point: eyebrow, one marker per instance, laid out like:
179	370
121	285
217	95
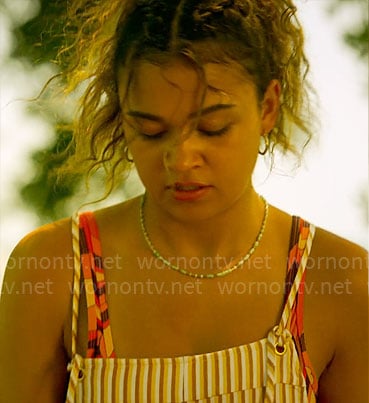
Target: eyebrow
155	118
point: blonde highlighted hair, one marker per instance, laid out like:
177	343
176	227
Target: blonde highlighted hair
263	36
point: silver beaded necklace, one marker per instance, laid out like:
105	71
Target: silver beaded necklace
208	275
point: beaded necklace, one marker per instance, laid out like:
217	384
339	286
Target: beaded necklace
223	273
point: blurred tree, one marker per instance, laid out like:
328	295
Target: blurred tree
357	36
38	41
45	194
358	39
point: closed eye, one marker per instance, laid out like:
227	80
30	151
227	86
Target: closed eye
218	132
145	126
152	136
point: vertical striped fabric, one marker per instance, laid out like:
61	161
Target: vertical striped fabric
268	370
234	375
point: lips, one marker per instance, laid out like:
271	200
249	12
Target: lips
189	191
187	187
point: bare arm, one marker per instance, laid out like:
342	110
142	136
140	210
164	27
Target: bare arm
33	310
346	377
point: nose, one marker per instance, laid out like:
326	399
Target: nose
184	154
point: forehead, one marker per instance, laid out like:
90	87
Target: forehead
177	78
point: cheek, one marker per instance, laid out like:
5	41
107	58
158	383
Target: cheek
244	141
239	157
147	156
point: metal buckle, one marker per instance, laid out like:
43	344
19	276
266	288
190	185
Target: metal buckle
280	349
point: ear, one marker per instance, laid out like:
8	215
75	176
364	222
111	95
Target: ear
270	106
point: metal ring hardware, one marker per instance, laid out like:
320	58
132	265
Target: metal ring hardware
280	350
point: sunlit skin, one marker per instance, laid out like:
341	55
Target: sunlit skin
180	143
165	101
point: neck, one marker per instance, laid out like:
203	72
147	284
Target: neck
226	235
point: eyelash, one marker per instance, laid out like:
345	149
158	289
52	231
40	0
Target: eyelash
155	136
214	133
208	133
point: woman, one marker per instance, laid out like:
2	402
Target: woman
198	290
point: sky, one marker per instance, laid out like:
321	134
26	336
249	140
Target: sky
327	190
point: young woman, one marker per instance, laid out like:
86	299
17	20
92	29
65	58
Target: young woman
198	290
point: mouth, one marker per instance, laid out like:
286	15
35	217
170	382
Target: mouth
188	187
189	191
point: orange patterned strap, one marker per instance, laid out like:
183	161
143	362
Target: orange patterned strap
100	342
300	245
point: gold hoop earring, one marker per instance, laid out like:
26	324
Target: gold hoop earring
127	154
265	137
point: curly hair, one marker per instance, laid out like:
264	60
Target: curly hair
263	36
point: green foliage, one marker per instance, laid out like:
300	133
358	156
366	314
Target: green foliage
355	37
46	194
38	41
358	39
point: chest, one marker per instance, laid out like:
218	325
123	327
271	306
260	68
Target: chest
158	312
155	312
171	325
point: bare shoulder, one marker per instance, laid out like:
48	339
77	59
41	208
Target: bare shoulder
44	253
340	262
117	225
121	214
328	244
338	272
34	306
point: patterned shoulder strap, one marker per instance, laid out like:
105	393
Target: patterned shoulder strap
291	323
75	364
76	281
87	254
293	314
100	342
302	235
